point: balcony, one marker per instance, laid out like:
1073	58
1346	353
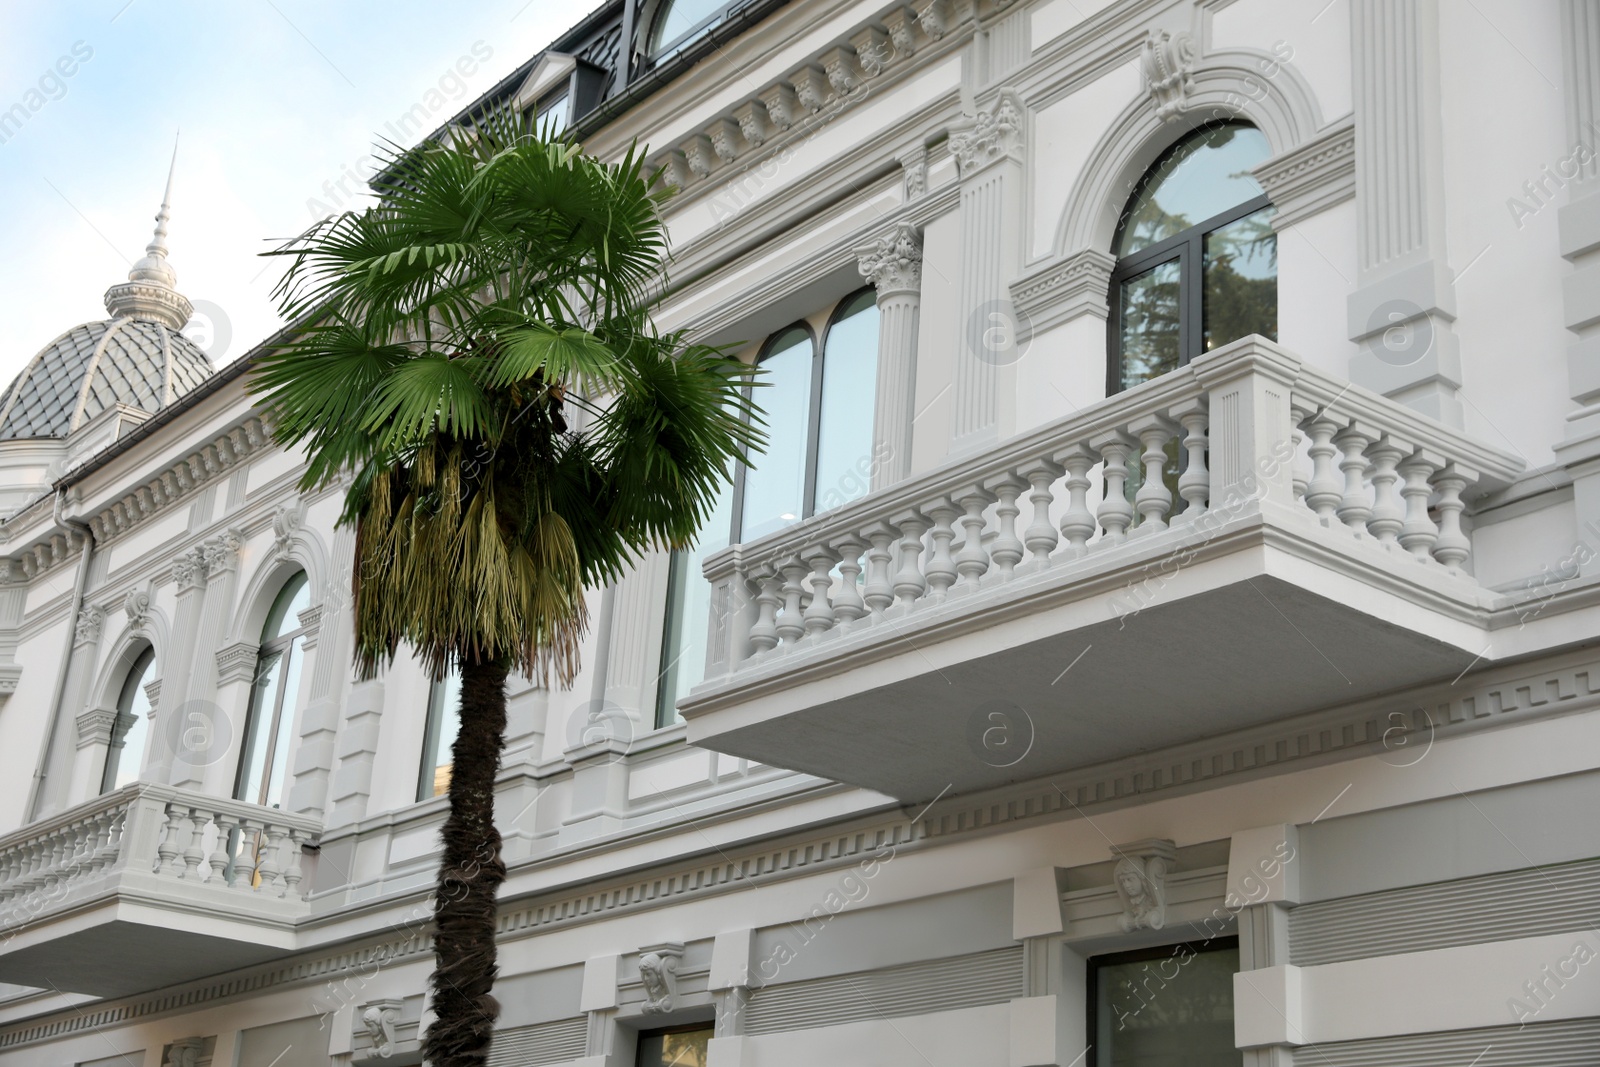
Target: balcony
148	886
1039	607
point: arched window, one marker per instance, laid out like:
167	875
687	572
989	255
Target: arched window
845	410
444	722
125	757
268	732
818	403
677	22
1197	262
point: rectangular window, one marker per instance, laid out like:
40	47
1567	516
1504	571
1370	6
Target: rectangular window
444	720
1170	1006
680	1046
551	120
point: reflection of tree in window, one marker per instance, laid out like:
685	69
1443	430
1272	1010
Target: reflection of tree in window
439	737
1166	1007
1241	267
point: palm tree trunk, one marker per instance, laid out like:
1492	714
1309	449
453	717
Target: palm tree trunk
469	876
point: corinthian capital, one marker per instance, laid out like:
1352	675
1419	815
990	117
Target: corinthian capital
893	263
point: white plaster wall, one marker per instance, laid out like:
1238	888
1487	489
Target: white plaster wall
1312	36
1316	270
1501	72
1064	135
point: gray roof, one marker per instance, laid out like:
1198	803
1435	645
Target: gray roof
131	361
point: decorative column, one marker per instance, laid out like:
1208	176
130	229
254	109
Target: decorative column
217	722
893	264
189	575
988	153
1578	227
64	781
1401	311
327	647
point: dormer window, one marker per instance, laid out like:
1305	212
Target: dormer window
677	22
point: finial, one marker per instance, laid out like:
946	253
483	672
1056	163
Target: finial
150	291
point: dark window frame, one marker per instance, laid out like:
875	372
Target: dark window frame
280	645
813	422
1187	247
1093	964
126	695
653	54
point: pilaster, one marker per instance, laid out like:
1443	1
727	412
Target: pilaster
1264	868
1403	307
220	559
1578	221
327	646
989	159
893	264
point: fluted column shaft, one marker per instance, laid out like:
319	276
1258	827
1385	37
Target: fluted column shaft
893	264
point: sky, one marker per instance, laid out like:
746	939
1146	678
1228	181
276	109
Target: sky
275	104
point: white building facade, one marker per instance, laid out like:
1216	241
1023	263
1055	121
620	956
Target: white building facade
1164	628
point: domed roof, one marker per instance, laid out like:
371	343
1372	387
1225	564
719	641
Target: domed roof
139	362
137	357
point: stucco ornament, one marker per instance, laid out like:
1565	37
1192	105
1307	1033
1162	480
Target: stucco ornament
658	971
894	260
380	1019
989	135
1140	879
1168	65
137	605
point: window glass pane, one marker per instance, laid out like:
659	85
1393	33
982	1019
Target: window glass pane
125	759
1172	1011
552	119
1241	296
1205	176
293	660
1148	313
774	489
284	618
685	1048
444	722
678	17
258	726
849	390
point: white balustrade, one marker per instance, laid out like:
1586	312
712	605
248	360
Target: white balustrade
1250	425
155	831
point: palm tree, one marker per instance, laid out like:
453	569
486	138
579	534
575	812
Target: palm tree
479	367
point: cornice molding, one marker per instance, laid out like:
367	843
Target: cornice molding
1313	177
1401	724
1063	289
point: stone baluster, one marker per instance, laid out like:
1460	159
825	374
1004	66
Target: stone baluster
1006	551
1355	506
1388	512
194	853
1078	523
221	860
909	583
764	631
791	622
1154	499
1194	484
291	867
173	842
1452	548
1419	535
941	569
879	590
247	856
1040	536
1115	513
848	606
271	866
1325	490
973	560
819	616
1300	410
